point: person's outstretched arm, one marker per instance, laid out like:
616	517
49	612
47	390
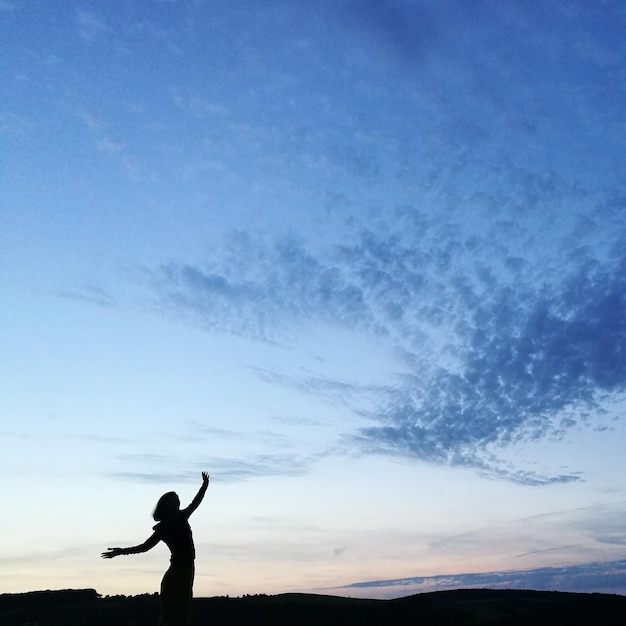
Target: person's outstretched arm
195	503
148	544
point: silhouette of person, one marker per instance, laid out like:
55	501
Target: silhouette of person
174	530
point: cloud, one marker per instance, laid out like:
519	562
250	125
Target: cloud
38	557
487	262
110	145
223	469
501	344
529	357
608	577
91	26
89	292
263	287
581	534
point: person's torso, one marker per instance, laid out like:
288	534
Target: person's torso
177	536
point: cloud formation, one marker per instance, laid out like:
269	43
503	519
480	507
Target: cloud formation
228	469
501	345
607	577
456	226
532	364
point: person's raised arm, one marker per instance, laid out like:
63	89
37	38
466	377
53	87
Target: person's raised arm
148	544
195	503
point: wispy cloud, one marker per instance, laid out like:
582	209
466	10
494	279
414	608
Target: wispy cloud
89	292
161	470
91	26
608	577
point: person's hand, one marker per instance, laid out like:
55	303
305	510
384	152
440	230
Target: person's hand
111	552
205	478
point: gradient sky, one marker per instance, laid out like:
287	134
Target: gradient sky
362	260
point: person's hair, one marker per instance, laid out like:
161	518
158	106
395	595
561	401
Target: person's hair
164	507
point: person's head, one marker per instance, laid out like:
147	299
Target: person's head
167	506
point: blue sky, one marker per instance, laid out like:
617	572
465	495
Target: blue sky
362	261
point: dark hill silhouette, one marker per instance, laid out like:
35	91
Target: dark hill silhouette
475	607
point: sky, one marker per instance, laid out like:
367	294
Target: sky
361	260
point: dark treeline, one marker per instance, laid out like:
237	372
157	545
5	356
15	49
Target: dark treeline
471	606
